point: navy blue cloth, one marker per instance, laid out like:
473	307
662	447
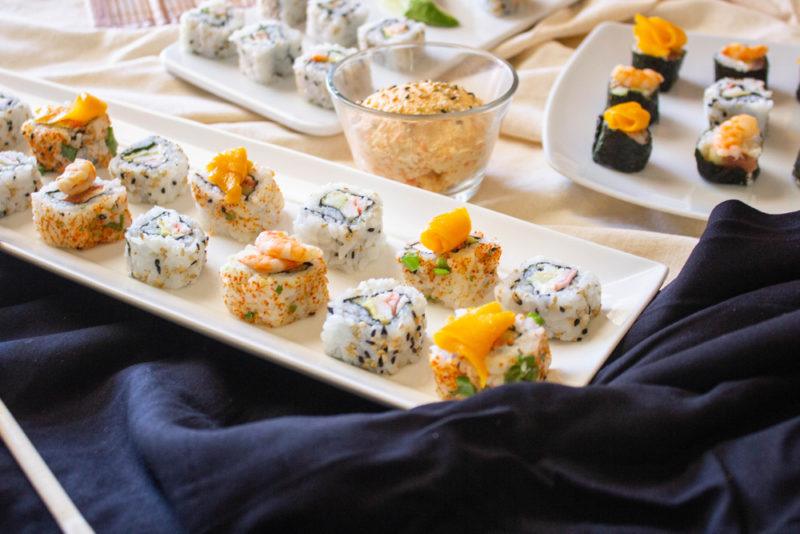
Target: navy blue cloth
694	422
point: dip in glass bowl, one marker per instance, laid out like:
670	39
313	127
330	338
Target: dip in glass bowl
426	115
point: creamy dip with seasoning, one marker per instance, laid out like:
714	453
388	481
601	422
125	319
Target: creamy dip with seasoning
422	98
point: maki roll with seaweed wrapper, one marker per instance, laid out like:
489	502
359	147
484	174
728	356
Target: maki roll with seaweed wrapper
153	170
378	326
629	84
729	97
451	264
336	21
276	281
562	297
267	50
622	139
728	154
205	30
58	135
737	60
19	178
486	347
659	46
236	197
13	113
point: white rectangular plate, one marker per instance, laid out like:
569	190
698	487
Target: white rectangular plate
282	103
670	182
628	282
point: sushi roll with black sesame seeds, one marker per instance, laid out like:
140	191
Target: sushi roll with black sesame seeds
346	222
19	178
205	30
153	170
629	84
165	249
737	60
728	153
336	21
311	72
729	97
267	50
622	139
563	298
292	12
392	31
13	113
659	46
481	348
379	326
500	8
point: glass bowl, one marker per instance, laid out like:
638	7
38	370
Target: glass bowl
445	152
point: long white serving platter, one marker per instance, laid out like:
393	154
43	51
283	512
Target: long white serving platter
670	182
282	103
629	282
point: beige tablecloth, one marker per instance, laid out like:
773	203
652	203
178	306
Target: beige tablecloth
55	40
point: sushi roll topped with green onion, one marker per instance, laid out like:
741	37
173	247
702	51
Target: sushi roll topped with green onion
737	60
622	139
659	46
728	154
629	84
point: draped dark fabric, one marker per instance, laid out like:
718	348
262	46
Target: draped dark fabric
693	424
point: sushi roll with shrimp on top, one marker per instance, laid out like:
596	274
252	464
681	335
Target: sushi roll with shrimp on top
236	197
276	281
622	139
737	60
659	46
486	347
728	153
629	84
451	264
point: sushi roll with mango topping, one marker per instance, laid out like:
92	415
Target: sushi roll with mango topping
737	60
728	153
659	46
451	264
622	139
276	281
79	210
486	347
59	134
629	84
236	197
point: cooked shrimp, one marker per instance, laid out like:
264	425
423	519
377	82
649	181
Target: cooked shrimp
279	245
647	79
77	177
258	261
735	135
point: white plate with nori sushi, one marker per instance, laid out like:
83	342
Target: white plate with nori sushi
396	217
671	180
204	57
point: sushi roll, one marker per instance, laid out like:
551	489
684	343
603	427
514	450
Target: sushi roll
728	97
13	112
481	348
292	12
737	60
236	197
390	31
165	249
153	170
659	46
346	223
796	170
560	297
79	210
629	84
500	8
451	264
275	282
378	326
267	50
335	21
728	153
205	30
58	135
311	72
622	139
19	178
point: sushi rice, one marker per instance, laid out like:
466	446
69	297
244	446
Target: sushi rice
311	72
165	249
379	326
205	30
13	113
336	21
19	178
267	50
153	170
728	97
292	12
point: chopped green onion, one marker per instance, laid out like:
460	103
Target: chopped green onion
250	316
464	387
69	152
229	215
292	307
536	318
442	268
525	370
118	226
279	289
111	141
411	261
42	168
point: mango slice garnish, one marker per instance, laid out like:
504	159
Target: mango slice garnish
83	110
657	37
743	52
446	231
227	170
628	117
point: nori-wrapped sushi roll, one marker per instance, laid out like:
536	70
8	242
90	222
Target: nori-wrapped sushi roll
737	60
659	46
728	154
796	170
622	139
629	84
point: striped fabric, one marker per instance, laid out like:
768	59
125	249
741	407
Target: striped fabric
142	13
